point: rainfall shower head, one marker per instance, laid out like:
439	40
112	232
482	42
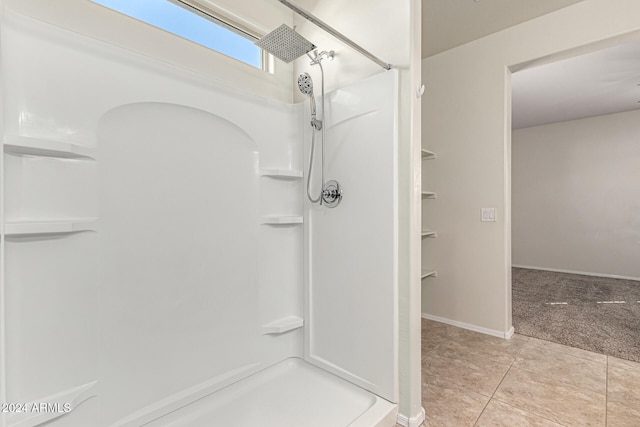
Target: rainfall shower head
285	44
305	84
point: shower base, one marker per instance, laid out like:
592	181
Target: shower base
291	393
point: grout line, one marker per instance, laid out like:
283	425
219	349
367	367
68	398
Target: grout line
518	354
544	374
515	407
509	404
492	394
500	383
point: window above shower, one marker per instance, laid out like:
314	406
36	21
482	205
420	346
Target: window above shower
183	19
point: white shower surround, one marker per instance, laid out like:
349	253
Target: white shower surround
187	275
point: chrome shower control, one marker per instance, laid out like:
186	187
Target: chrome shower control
317	124
331	194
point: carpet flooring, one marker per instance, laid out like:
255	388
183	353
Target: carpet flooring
592	313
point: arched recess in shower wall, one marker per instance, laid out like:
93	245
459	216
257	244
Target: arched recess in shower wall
161	264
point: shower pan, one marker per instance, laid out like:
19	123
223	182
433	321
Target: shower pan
138	291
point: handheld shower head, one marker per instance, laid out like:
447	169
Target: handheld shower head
305	84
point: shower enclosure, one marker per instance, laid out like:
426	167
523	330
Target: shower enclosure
161	264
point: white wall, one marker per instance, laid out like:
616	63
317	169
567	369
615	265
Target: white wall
576	195
391	31
171	287
351	275
466	120
360	20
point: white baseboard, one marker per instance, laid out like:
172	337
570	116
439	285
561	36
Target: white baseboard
413	421
584	273
509	334
500	334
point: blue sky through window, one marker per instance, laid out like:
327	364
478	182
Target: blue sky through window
181	22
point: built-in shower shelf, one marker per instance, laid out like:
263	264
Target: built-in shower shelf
428	233
288	323
429	273
282	220
46	148
39	226
428	155
428	195
282	173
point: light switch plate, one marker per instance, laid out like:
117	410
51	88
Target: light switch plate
488	215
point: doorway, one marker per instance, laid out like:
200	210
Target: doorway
574	200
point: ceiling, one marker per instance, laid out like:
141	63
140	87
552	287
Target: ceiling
602	82
450	23
605	81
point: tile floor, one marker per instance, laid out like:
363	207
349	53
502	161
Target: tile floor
472	379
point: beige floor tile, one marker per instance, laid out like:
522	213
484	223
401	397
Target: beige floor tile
498	414
614	362
431	328
559	348
564	367
623	386
473	373
451	407
546	384
434	324
472	344
435	334
431	342
552	399
622	415
623	393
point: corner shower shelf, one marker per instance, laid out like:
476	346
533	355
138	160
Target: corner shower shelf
427	233
282	173
280	326
282	220
428	155
46	148
429	273
428	195
39	226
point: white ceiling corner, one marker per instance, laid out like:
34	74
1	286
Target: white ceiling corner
605	81
450	23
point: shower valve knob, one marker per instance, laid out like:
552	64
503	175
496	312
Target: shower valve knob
332	194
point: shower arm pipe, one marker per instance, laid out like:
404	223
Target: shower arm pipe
319	23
